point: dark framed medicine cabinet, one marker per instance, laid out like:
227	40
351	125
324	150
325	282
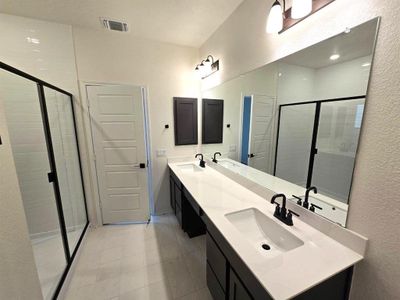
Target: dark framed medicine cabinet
43	139
185	121
317	141
212	121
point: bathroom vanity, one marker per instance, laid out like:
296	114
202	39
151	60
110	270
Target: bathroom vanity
251	254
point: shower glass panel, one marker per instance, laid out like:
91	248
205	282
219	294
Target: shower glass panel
296	124
337	140
61	122
28	142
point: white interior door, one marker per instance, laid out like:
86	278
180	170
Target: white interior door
261	132
117	121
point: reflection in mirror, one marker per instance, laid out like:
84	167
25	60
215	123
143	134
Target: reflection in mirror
295	123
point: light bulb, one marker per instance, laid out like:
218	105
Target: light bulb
275	18
202	69
301	8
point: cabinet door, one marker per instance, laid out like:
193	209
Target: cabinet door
185	121
178	196
172	194
213	119
236	289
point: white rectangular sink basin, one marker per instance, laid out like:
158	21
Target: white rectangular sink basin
190	168
263	233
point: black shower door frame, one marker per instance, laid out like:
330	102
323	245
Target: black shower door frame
313	150
52	175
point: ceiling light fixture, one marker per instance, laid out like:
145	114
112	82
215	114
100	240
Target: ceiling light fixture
280	19
32	40
207	67
334	57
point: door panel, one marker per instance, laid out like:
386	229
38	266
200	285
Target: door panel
261	133
119	143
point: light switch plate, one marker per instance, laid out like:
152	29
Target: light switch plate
161	152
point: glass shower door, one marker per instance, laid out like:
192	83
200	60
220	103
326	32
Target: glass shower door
296	124
337	141
61	122
29	148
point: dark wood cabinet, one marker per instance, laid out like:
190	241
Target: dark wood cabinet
237	291
172	194
185	121
187	215
213	121
217	261
213	285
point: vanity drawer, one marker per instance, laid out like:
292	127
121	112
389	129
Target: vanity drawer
213	285
216	260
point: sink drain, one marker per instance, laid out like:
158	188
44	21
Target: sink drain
266	247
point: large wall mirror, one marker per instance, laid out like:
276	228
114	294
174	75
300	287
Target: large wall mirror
295	123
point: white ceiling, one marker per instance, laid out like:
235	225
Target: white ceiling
182	22
357	43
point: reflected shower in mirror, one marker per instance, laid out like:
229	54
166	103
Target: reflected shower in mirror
295	123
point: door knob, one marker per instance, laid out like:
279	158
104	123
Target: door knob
251	155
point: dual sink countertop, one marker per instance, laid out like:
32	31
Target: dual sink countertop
299	257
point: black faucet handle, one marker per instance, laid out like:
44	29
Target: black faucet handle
313	207
293	213
289	217
298	199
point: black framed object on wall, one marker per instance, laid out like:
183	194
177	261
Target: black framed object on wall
185	121
213	120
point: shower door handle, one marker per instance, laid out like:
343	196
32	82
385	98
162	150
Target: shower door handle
51	177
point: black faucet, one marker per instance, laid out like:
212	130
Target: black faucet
202	162
214	158
311	188
281	213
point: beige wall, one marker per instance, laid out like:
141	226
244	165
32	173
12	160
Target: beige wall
242	45
165	69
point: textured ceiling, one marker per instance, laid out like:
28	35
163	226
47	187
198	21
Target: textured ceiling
182	22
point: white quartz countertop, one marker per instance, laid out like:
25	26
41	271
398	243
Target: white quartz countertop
286	275
278	185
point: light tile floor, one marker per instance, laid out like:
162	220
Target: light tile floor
50	259
140	261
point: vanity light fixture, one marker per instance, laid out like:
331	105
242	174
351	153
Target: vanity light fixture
207	67
280	19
